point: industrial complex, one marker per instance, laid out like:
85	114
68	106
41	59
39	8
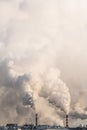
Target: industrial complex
37	126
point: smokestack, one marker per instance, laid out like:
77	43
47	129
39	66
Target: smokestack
36	121
67	125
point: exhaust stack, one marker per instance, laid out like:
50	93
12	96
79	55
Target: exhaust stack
36	120
67	122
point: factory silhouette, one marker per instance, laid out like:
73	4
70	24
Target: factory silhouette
37	126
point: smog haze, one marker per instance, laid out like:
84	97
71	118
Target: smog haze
43	61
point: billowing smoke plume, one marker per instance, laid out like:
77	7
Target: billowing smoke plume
55	91
21	95
41	43
13	95
51	93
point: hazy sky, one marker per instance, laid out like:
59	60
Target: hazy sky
56	28
39	34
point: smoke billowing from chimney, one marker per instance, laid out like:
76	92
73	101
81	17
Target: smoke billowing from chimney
38	40
26	93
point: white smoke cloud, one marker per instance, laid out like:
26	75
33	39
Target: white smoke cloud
55	90
12	93
42	38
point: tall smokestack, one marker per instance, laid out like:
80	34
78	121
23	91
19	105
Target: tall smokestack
36	121
67	125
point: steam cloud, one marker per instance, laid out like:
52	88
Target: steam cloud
21	94
41	43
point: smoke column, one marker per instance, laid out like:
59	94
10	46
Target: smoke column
55	90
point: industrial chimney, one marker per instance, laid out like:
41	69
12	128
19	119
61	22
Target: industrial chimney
36	120
67	125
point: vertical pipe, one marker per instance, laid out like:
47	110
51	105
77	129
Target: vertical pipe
36	119
67	125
